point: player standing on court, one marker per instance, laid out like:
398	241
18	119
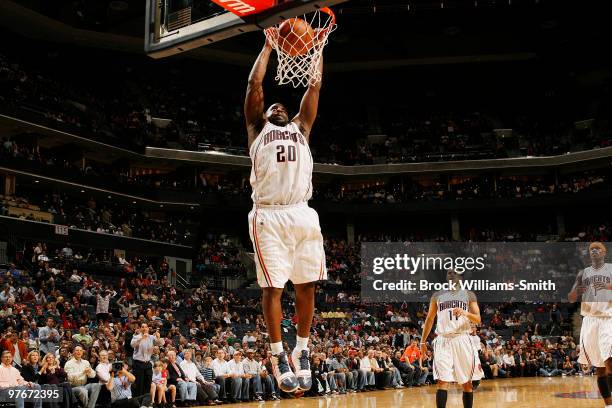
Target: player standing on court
454	356
594	283
285	232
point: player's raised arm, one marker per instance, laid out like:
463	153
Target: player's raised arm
254	100
431	315
309	105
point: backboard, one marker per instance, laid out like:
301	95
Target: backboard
175	26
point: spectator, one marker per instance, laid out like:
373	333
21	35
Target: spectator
253	368
82	337
103	300
224	376
160	385
78	371
17	348
205	391
103	369
49	337
10	377
52	374
186	390
240	379
120	387
30	368
143	343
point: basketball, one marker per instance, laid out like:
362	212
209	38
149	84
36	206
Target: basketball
295	36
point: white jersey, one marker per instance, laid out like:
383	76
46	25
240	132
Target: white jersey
282	164
447	323
597	300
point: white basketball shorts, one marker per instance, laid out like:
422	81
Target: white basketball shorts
455	359
288	245
595	341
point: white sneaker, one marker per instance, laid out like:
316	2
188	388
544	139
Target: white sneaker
301	362
286	379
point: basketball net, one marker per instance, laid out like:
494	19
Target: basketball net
303	70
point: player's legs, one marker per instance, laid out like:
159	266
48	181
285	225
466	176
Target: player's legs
442	369
595	349
609	379
464	366
308	268
304	310
441	394
273	248
468	394
272	311
605	351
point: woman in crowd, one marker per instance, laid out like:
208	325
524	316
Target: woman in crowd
30	367
52	374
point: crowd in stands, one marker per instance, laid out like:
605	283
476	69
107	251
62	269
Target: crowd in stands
219	253
83	333
87	214
139	106
468	188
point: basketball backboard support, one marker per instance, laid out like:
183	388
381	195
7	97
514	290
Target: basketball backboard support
175	26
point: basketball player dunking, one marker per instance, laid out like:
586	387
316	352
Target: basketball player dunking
285	232
595	285
454	356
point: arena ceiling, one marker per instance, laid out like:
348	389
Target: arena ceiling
371	34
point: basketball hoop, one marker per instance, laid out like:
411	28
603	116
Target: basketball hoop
298	63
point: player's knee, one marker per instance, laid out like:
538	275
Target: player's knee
467	387
304	289
442	385
272	293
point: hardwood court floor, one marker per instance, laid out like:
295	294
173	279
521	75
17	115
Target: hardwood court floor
557	392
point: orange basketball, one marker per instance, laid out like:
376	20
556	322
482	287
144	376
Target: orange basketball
295	36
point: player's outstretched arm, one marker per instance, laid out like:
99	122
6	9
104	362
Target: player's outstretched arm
431	315
309	105
254	101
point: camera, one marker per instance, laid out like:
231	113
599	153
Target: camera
117	366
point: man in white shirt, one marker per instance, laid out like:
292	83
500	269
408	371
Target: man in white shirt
366	368
240	379
78	371
253	368
10	377
206	394
508	360
222	373
103	368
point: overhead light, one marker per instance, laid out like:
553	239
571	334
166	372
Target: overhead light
82	191
191	208
110	197
161	206
133	202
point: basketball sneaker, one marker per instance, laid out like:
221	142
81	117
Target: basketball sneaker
286	379
301	362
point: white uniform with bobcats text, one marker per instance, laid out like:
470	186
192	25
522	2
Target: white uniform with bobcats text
285	232
455	357
596	307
